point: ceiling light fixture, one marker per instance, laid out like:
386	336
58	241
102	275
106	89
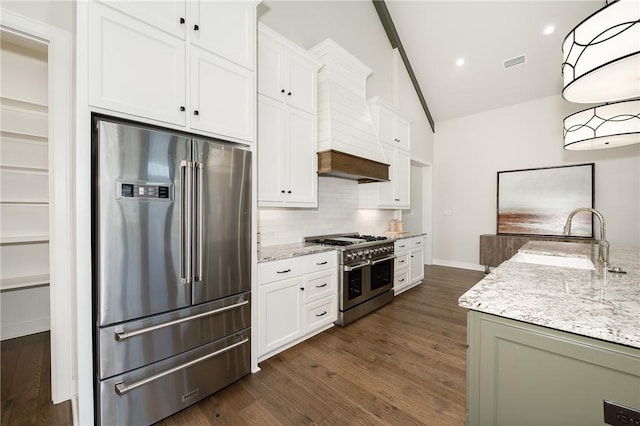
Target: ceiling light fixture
549	29
601	63
460	62
601	55
604	126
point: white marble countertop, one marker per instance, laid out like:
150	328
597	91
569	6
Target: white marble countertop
593	303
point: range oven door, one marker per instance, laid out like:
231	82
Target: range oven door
354	284
381	275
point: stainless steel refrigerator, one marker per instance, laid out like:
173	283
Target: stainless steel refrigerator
171	269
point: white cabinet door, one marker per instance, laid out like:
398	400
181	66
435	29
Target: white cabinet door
134	67
226	28
271	159
302	185
222	96
270	68
279	313
301	89
386	131
403	133
386	191
417	265
402	177
168	16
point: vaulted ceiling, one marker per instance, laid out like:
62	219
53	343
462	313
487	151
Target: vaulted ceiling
435	34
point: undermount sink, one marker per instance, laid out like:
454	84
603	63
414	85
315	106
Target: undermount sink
565	262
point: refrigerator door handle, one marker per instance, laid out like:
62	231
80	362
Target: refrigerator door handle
124	335
186	187
122	389
199	219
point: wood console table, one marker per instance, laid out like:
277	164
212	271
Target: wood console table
495	249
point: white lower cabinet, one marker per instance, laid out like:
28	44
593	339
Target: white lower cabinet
409	263
297	298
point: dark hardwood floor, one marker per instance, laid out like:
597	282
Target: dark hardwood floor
26	383
402	364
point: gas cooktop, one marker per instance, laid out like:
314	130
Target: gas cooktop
344	239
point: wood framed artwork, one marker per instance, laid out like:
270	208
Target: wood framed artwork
538	201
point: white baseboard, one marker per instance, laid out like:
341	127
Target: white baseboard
462	265
19	329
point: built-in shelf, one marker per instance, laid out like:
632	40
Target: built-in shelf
25	202
15	283
24	239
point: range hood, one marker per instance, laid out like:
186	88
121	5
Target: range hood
348	143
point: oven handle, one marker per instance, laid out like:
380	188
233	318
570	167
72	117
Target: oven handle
358	266
384	259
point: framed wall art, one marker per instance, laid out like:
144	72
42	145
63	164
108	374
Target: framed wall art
538	201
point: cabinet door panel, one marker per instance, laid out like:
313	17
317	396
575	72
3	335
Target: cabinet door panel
385	126
164	15
386	195
280	313
403	133
402	175
271	69
320	313
417	265
303	165
302	84
223	94
135	68
226	28
270	140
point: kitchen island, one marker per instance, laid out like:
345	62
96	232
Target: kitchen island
547	344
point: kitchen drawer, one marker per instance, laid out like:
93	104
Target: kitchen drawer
320	284
320	261
402	245
417	242
320	313
149	394
401	280
401	261
280	269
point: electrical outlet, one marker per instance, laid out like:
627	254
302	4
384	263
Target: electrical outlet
619	415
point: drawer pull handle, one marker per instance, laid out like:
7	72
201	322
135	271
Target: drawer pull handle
283	272
322	263
401	261
322	314
122	389
402	246
402	280
320	286
418	242
121	335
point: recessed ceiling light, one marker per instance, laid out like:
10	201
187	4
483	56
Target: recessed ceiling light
548	29
460	62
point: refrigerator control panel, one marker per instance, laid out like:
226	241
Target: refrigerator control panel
144	190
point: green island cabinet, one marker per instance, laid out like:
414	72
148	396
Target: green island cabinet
523	374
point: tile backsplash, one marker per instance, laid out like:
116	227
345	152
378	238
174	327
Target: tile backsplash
337	212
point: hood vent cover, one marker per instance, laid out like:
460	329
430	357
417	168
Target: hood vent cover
348	144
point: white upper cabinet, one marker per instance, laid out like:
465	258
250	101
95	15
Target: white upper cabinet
226	28
135	68
287	123
394	131
184	63
286	72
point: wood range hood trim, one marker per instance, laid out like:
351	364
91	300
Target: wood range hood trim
339	164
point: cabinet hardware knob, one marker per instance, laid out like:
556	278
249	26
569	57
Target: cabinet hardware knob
301	288
182	20
282	191
289	94
402	280
288	192
182	108
196	27
282	91
196	112
283	272
322	314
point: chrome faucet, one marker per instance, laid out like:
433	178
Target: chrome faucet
603	254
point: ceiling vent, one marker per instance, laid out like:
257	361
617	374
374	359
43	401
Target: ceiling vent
514	61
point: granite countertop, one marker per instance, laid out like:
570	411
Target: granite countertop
593	303
286	251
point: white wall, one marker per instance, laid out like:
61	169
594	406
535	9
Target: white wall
58	13
469	151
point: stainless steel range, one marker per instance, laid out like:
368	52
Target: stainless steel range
366	273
